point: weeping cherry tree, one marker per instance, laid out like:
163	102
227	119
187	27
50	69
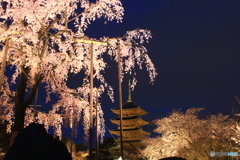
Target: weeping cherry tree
38	46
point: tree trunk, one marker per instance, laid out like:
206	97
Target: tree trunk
20	107
21	102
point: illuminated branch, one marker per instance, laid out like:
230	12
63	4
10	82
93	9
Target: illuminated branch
89	9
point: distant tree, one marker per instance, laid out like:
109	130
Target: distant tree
68	143
81	147
43	41
80	155
188	136
109	149
81	152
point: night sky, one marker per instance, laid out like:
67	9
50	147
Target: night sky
195	49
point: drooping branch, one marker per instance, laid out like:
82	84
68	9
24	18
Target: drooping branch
45	44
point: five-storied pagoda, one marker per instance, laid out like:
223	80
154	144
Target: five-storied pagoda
131	121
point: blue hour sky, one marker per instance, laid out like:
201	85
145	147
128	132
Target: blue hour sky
195	49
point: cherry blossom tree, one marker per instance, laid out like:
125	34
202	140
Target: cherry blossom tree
188	136
43	41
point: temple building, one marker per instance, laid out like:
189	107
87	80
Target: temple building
131	121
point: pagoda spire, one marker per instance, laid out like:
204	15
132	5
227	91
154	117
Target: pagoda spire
129	91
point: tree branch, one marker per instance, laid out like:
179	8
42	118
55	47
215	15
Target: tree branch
93	5
33	92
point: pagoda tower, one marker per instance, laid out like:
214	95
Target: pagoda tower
131	121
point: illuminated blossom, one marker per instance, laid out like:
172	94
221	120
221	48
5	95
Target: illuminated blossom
186	135
44	49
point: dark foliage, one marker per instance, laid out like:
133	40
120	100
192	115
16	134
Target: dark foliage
109	149
33	143
4	138
81	147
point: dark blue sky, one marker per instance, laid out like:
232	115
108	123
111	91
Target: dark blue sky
195	49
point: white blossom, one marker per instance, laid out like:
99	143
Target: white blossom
188	136
42	43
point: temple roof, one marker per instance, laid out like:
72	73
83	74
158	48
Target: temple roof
128	105
137	111
134	120
133	130
129	108
128	118
131	141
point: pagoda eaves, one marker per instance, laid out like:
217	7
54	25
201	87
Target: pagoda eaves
130	121
130	109
136	132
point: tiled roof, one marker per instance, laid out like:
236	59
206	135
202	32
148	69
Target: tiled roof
127	105
127	118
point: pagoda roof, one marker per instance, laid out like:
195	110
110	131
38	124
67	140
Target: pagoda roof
131	141
136	120
128	105
129	108
135	131
136	111
128	118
